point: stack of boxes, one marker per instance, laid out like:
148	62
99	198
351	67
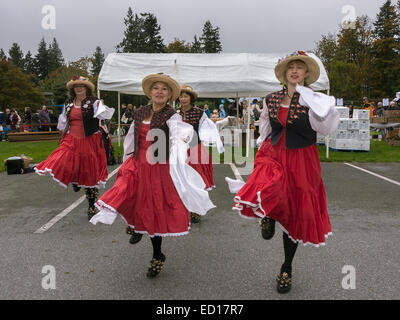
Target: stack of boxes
352	133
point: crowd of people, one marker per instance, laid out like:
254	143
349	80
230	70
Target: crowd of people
43	119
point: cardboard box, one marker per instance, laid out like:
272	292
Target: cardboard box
361	145
353	124
364	135
353	134
378	120
364	125
339	134
361	114
343	124
341	144
344	112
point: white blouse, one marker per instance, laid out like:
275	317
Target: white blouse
101	112
324	118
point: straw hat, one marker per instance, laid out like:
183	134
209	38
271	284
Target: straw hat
189	90
148	81
312	66
80	80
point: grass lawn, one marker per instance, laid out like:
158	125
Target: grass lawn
379	152
37	150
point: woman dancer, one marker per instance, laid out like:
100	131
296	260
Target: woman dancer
155	188
205	131
286	183
80	159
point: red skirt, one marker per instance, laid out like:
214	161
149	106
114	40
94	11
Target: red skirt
145	196
200	160
286	185
81	161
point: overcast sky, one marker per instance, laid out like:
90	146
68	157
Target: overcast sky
275	26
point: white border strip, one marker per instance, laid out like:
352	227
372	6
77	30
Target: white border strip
374	174
236	172
63	213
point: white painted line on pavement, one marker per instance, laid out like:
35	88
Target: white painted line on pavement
236	172
374	174
63	213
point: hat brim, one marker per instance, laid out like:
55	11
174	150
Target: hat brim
148	81
72	83
312	69
192	92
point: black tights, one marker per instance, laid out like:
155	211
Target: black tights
290	249
156	242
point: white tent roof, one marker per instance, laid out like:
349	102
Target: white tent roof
220	75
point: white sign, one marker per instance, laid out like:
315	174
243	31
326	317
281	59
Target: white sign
339	101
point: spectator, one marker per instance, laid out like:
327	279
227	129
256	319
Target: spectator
8	119
44	119
2	118
367	106
36	121
214	117
222	113
14	117
256	110
207	110
248	115
27	116
53	119
379	110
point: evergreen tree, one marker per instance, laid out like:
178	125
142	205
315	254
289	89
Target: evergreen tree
153	42
196	46
387	22
16	55
132	34
210	41
29	63
2	55
386	48
41	60
55	56
142	34
97	61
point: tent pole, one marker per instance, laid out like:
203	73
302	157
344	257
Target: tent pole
98	94
248	129
119	119
237	109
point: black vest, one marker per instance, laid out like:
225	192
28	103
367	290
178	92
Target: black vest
192	117
299	133
158	121
90	124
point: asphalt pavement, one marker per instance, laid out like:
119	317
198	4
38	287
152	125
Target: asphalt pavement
223	257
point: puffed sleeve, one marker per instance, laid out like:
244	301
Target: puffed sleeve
129	142
62	120
188	183
208	132
101	111
265	126
324	118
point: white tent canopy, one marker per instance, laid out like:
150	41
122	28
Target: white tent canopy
219	75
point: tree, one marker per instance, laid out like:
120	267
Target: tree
16	88
41	60
55	56
97	61
326	49
16	55
2	55
153	42
142	34
196	46
178	46
386	50
210	41
29	64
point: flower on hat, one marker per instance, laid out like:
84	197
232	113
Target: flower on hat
296	53
75	77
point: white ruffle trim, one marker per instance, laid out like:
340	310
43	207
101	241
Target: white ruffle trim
107	215
255	206
100	184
